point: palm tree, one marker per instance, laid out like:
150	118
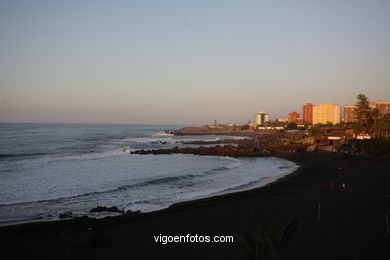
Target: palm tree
271	239
255	244
278	238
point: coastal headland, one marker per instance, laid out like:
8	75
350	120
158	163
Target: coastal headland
256	143
212	130
342	222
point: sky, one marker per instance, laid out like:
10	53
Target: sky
187	62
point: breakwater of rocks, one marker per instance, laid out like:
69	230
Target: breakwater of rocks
229	150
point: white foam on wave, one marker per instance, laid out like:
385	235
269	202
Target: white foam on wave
146	139
272	174
79	173
97	155
162	133
240	137
208	139
170	139
138	182
37	162
235	164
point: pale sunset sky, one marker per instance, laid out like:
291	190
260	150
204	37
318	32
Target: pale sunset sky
187	61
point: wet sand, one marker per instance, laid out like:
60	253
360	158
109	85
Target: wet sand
352	223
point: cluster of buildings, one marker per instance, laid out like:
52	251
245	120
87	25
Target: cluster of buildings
382	106
323	114
320	114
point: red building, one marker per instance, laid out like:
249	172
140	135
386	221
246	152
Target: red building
292	117
307	111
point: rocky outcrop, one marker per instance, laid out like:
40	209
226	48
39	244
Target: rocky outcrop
222	141
229	150
106	209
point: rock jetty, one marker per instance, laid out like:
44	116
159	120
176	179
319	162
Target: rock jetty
228	150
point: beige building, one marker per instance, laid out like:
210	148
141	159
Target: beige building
326	113
261	118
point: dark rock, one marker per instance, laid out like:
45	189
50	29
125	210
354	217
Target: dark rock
129	212
106	209
66	214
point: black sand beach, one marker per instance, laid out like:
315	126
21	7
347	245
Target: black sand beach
352	223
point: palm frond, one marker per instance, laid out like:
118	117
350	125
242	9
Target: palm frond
289	231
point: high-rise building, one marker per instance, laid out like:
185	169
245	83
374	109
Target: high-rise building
292	117
261	118
307	111
326	113
349	114
382	106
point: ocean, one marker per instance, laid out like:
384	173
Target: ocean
50	169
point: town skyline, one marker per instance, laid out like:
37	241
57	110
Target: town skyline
297	114
313	114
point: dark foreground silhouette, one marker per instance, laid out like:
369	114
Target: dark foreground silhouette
341	207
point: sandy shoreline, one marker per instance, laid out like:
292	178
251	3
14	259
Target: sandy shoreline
352	224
